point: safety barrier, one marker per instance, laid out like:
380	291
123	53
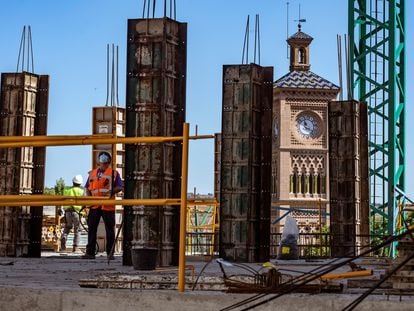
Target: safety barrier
66	140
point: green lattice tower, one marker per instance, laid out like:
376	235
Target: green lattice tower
377	44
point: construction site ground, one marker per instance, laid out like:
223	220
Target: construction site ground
64	281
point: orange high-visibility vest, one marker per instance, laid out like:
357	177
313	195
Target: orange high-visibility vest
102	186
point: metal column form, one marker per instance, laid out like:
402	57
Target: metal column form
23	112
245	163
348	177
217	165
156	90
377	44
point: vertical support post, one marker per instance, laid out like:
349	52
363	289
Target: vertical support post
183	209
320	226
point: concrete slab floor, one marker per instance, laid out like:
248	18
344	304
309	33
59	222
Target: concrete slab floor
52	283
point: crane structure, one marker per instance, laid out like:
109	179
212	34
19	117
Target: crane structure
377	75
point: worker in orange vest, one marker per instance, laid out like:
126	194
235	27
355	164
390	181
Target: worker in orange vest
102	182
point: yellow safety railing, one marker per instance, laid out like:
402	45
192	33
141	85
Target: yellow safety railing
66	140
195	207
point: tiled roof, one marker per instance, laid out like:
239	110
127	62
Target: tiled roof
304	79
300	35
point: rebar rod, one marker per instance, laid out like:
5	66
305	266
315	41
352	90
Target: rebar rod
246	41
357	301
31	47
293	284
20	48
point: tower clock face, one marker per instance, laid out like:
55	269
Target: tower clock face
308	125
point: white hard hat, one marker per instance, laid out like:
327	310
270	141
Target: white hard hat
77	179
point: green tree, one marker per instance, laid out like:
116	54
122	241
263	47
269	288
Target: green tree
59	190
59	187
49	191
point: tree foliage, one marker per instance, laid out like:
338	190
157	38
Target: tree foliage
59	187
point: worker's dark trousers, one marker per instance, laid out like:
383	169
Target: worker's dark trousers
94	217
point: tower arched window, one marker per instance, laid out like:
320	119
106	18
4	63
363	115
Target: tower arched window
295	182
319	184
303	181
302	56
311	182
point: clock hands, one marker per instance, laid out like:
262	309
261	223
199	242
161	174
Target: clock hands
308	126
305	125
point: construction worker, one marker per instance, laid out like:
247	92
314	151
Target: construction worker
102	182
72	213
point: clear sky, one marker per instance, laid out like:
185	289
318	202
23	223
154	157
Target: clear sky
69	43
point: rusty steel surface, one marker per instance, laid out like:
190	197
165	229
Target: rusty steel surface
39	159
23	111
348	163
156	81
245	163
217	165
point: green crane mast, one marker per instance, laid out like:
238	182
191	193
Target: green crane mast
377	71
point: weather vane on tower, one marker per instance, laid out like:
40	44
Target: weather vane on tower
300	20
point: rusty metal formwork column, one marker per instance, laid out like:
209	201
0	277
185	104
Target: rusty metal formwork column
155	105
245	163
348	177
23	112
217	165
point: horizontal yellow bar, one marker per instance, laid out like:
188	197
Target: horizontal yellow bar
307	203
89	141
194	227
43	197
9	139
66	140
345	275
89	202
201	137
62	197
203	203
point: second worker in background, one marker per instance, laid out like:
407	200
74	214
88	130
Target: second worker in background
72	214
102	182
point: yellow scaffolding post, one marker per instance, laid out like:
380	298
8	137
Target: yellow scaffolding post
183	210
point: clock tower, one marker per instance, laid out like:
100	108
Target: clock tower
300	141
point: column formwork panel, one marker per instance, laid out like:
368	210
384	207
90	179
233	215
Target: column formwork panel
23	112
155	106
245	163
348	177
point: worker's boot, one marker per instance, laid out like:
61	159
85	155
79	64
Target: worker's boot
75	249
63	244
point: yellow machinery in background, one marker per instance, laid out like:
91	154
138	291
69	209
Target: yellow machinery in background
202	226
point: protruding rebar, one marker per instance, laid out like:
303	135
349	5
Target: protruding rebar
20	48
31	47
107	74
339	46
117	75
246	42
